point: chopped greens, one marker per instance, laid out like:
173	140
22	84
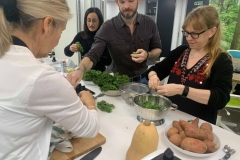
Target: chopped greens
80	47
104	106
105	80
107	87
149	105
135	53
91	75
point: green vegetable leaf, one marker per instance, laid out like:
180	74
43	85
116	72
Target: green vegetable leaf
150	105
80	47
91	75
104	106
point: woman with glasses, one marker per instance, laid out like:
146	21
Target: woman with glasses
93	20
200	73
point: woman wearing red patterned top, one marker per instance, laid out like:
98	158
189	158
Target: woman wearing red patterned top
200	73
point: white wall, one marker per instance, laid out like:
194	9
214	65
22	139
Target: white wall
71	30
112	8
68	35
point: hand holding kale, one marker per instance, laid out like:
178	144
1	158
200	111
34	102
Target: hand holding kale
80	47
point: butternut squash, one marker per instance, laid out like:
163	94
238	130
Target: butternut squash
144	141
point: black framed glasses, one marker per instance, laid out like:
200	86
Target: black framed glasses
92	20
192	34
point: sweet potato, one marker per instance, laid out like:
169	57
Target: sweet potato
211	147
182	134
193	145
209	135
176	139
195	133
185	124
172	131
195	122
206	126
177	125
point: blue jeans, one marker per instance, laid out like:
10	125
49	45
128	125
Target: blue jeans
143	81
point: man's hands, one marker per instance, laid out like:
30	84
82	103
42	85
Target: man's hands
140	56
75	77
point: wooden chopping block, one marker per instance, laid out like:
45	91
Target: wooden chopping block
80	147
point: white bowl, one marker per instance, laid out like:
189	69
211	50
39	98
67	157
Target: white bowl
88	83
216	141
112	93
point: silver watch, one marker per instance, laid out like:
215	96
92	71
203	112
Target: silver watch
77	68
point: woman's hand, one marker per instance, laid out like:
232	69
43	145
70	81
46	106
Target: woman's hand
74	48
87	98
170	89
153	81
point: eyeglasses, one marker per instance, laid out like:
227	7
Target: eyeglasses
192	34
92	20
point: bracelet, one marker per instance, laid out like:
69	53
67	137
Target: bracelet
147	55
151	75
185	91
91	107
79	68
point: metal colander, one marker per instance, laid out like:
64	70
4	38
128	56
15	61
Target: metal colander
132	89
152	114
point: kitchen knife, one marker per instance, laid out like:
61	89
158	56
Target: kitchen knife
93	154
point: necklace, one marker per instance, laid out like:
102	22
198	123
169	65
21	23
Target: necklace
195	68
193	56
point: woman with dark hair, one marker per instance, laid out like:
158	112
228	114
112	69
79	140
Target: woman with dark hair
93	20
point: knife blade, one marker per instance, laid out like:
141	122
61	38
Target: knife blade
93	154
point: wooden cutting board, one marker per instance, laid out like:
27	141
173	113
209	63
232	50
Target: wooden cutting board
80	147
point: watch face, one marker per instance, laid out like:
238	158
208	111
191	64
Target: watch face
77	68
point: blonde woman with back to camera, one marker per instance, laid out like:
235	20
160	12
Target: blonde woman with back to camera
200	73
32	94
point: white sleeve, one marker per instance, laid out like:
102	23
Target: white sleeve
53	96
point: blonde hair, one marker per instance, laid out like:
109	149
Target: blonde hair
30	11
203	18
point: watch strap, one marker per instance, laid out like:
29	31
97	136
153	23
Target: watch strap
185	91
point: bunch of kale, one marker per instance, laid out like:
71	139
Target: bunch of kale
105	80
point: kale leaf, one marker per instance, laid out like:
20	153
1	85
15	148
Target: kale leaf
104	106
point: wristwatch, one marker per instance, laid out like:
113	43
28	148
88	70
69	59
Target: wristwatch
185	91
78	68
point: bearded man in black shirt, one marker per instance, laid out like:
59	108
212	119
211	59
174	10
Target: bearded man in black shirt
127	33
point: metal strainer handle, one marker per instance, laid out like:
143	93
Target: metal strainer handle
174	106
130	99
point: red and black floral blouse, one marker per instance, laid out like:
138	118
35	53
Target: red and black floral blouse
219	82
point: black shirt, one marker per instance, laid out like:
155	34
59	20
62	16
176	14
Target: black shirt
116	35
105	58
219	83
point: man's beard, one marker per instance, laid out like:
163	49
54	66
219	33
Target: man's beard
128	16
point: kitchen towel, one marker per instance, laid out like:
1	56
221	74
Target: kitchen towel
60	139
